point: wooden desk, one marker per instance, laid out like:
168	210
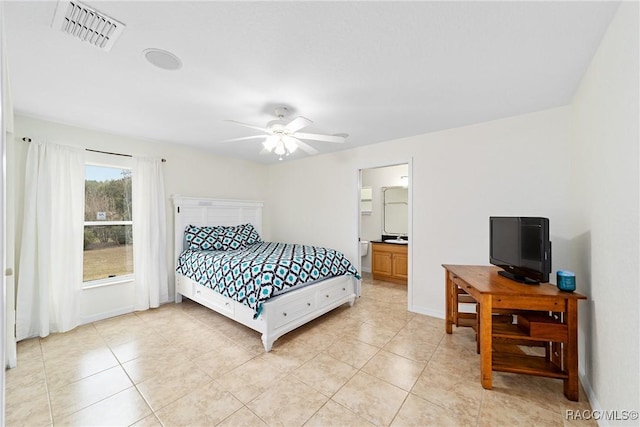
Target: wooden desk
549	317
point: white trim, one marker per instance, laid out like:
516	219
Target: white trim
591	396
426	311
358	218
99	223
6	124
410	234
99	283
96	158
106	315
410	181
204	201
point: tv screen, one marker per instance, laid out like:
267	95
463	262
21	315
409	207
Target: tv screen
521	247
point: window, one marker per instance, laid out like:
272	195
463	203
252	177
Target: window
108	229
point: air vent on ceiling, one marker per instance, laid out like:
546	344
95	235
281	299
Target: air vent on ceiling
87	24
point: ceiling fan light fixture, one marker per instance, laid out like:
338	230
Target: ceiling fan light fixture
280	149
277	125
290	145
270	143
284	137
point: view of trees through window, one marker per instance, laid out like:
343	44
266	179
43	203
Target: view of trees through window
108	234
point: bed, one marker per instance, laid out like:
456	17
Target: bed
286	308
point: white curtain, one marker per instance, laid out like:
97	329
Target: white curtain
7	230
50	280
149	234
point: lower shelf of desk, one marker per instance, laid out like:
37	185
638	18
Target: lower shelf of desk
524	364
506	359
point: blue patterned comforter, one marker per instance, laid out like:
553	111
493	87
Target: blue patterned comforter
254	274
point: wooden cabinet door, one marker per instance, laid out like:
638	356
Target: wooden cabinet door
381	263
389	263
399	266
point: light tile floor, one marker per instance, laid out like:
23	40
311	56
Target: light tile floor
182	365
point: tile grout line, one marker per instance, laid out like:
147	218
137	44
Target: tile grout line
359	370
46	381
244	405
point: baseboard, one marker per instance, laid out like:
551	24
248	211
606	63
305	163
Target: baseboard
426	311
113	313
591	396
10	348
105	315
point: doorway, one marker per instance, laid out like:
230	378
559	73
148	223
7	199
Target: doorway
384	212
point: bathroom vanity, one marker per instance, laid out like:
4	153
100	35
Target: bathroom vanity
389	261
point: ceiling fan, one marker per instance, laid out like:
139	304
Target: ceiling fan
283	137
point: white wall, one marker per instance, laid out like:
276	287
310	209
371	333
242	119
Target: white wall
605	214
371	224
188	172
460	177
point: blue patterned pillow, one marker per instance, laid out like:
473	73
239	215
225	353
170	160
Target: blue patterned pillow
237	237
202	238
248	234
221	238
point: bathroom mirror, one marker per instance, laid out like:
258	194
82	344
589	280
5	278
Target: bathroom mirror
396	210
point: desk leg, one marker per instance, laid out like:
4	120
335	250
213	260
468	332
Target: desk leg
570	351
484	335
449	288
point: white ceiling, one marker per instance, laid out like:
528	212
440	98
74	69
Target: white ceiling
375	70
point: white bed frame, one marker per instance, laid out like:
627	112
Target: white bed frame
279	314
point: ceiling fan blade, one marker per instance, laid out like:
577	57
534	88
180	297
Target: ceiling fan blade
297	124
250	126
316	137
305	147
244	138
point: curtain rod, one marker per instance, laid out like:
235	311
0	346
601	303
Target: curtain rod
27	139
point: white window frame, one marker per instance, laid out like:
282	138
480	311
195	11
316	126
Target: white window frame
109	161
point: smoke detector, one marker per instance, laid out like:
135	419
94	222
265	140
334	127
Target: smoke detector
87	24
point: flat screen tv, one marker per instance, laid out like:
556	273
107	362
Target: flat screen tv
521	247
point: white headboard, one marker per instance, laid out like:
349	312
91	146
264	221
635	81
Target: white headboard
203	211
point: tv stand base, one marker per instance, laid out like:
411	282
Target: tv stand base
519	279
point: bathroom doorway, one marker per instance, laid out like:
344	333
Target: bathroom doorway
385	213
